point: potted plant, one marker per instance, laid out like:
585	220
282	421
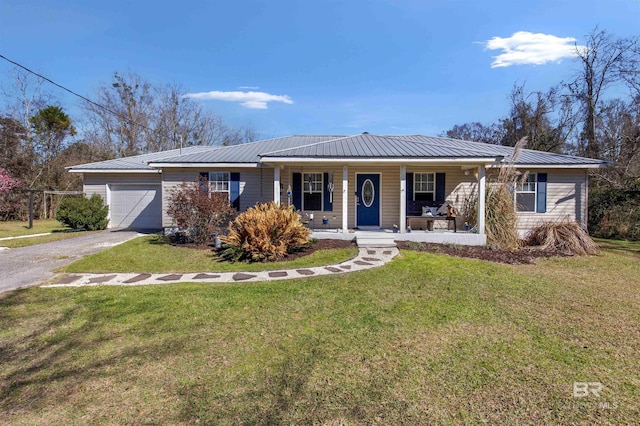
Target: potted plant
325	221
395	228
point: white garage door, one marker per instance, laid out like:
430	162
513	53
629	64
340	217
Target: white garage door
136	206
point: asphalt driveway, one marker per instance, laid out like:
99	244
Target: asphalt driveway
27	266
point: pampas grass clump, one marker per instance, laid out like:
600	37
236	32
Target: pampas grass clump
566	237
501	219
265	232
500	207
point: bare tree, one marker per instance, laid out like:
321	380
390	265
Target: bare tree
604	61
618	130
122	126
180	121
546	119
476	132
24	95
141	117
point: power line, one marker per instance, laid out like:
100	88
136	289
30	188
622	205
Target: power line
74	93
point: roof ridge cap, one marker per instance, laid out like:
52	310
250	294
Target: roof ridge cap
307	145
433	144
222	147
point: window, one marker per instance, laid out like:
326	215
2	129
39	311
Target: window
219	181
312	191
526	194
424	187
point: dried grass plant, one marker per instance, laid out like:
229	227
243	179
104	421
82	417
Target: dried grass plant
566	236
265	232
500	208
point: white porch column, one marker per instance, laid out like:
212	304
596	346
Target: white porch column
403	199
276	185
481	198
345	199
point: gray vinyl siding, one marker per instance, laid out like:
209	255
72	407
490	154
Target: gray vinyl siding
566	199
256	185
566	190
457	188
566	193
96	183
335	215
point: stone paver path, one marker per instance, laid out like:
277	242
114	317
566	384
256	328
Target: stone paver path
367	258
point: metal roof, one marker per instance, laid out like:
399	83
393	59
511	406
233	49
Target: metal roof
374	146
248	152
526	156
363	146
138	162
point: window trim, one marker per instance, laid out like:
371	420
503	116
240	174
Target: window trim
211	182
415	182
518	190
321	191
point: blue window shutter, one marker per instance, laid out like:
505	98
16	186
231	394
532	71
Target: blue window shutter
541	204
440	193
296	189
328	206
204	177
234	190
409	187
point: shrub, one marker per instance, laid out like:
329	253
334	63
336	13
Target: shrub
566	237
265	232
615	212
199	213
7	183
83	213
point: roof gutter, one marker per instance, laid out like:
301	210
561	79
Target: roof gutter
200	165
554	166
70	170
401	160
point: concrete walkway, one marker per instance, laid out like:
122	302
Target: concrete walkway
368	257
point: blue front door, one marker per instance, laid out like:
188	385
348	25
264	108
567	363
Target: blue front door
368	203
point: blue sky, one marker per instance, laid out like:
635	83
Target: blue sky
303	67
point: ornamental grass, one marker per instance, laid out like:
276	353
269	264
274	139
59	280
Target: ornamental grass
566	237
266	232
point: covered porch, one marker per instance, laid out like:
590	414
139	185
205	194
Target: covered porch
376	183
378	199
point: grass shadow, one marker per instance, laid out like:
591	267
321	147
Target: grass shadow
55	348
67	231
281	386
620	246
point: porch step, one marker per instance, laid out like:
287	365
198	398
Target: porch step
375	239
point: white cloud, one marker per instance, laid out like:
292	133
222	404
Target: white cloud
248	87
524	48
253	100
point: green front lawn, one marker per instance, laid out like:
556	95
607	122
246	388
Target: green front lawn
153	254
31	241
16	229
426	339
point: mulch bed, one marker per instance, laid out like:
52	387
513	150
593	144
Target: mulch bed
524	256
321	245
316	245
